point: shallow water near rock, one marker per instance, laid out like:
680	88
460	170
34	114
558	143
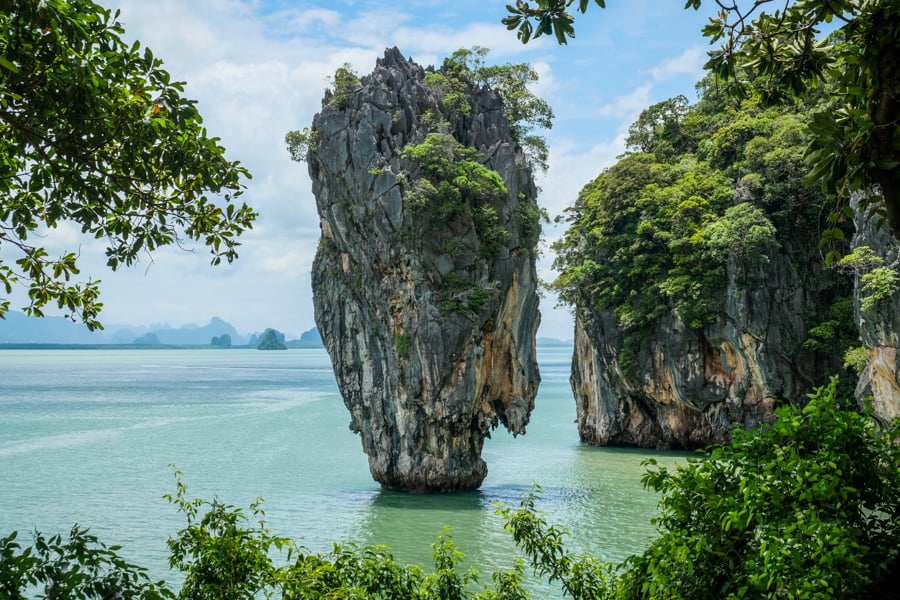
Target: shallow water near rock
87	436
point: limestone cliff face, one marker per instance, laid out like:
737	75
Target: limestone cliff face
427	306
690	388
879	328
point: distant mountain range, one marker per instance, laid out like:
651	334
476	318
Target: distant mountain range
18	328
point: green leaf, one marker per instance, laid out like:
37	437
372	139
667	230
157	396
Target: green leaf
8	65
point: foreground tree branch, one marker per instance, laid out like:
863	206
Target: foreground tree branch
94	132
775	50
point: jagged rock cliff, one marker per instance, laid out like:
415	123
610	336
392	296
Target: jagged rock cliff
690	388
424	287
701	296
879	327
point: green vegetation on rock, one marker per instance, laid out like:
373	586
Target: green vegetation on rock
779	56
271	340
343	82
706	197
457	186
525	111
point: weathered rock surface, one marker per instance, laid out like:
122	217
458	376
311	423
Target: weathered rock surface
879	328
431	336
690	388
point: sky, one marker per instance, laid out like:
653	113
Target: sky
259	68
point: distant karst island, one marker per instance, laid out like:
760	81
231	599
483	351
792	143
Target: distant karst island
19	330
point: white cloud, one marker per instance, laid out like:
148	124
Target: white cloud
304	21
690	62
571	168
628	105
547	84
286	265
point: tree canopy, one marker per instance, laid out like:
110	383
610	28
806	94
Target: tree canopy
854	140
525	111
93	132
703	189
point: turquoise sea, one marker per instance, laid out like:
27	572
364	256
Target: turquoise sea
87	436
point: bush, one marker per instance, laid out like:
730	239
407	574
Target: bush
807	507
878	286
79	566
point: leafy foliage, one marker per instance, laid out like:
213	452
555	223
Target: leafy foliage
706	196
879	282
465	67
93	132
524	110
300	143
780	55
639	234
878	286
550	17
658	129
78	567
343	82
224	554
744	233
459	192
807	507
855	359
580	576
837	331
459	187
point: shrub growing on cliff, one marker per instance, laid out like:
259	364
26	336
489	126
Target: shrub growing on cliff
780	55
707	197
879	282
457	186
878	286
344	81
525	111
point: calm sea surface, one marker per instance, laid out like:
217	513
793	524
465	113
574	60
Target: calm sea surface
87	436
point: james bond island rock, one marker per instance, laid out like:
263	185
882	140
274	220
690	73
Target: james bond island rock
702	299
424	282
